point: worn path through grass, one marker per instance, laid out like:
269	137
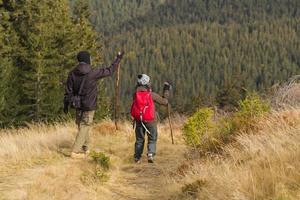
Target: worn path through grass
147	181
62	177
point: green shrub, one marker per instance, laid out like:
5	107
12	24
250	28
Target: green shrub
207	135
101	159
250	110
226	128
199	126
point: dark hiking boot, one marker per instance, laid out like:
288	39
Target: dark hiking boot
150	158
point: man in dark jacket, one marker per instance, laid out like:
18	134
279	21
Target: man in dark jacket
149	128
84	79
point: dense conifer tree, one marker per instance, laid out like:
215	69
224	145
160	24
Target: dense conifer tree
8	49
39	43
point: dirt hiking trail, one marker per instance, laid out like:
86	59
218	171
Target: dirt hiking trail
64	178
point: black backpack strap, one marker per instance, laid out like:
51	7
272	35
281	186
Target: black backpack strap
82	84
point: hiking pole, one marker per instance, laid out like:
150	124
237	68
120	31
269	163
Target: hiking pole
169	119
117	96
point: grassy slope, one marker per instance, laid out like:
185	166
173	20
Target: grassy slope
262	165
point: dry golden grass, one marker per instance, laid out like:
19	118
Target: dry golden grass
34	165
287	95
35	144
259	166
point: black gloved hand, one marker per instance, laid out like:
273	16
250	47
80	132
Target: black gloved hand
167	86
120	54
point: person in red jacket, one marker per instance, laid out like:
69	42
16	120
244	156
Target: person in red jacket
143	112
82	83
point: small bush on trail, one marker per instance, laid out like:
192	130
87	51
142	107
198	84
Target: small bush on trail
96	171
101	159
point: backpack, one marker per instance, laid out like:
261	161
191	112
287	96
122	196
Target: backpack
142	108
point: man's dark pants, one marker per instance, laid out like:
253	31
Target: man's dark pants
140	133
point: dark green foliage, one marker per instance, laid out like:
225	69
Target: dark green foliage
39	43
8	47
209	59
212	51
115	16
228	96
101	159
110	15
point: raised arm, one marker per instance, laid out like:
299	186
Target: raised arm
166	93
102	72
160	100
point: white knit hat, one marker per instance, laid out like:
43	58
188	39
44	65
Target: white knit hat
143	79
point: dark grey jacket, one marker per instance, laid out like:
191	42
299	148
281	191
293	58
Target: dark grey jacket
90	87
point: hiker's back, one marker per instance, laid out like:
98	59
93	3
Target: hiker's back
81	93
82	80
143	108
143	111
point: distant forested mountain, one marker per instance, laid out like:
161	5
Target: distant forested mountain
211	60
111	16
212	51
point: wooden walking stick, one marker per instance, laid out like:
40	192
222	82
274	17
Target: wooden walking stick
169	119
117	96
